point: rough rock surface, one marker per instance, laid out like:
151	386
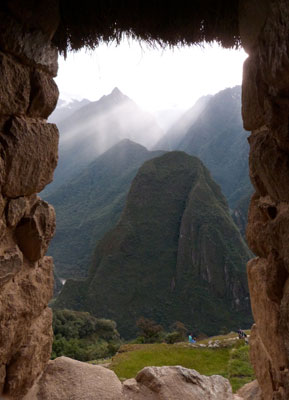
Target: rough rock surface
26	47
34	232
65	379
175	383
250	391
28	156
265	108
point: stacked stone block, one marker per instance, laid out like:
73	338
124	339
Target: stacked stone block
264	27
28	157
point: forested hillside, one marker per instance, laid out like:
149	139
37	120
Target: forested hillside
90	204
174	255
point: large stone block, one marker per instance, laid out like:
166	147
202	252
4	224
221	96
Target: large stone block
31	358
33	47
34	232
284	315
175	383
266	313
10	264
14	86
65	378
250	391
268	232
261	362
44	95
269	166
252	18
252	96
22	314
40	15
16	210
258	220
273	47
31	151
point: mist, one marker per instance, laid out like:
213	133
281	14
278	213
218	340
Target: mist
95	127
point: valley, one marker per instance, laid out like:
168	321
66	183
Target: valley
156	238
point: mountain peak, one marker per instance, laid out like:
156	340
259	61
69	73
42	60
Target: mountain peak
117	94
116	91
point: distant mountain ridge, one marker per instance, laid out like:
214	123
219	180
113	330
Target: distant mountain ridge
90	204
65	109
174	255
171	140
217	137
97	126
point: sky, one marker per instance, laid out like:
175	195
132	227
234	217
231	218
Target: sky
155	78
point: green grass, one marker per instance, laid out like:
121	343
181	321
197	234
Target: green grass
206	361
240	370
231	362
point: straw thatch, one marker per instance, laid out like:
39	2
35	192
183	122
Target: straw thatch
86	23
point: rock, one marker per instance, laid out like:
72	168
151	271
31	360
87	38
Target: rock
16	210
31	150
37	15
266	313
25	326
267	165
252	18
34	232
10	264
175	383
32	47
32	357
44	95
2	229
262	364
250	391
252	101
14	86
65	379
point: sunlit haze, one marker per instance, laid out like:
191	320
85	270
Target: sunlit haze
156	79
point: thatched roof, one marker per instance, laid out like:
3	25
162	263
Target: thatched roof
86	23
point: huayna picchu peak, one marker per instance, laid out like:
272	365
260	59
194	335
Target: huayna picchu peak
174	255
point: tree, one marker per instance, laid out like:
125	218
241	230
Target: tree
149	329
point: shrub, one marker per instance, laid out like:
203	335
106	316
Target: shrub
149	330
83	337
174	337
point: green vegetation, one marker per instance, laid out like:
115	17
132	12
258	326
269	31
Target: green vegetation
219	140
240	370
206	361
81	336
90	204
231	362
217	137
174	255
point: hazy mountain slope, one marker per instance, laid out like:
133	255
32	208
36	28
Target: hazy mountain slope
217	137
171	140
65	109
240	213
96	127
175	254
90	204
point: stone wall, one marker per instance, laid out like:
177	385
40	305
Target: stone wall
264	29
28	156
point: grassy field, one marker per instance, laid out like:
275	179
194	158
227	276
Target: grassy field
231	362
